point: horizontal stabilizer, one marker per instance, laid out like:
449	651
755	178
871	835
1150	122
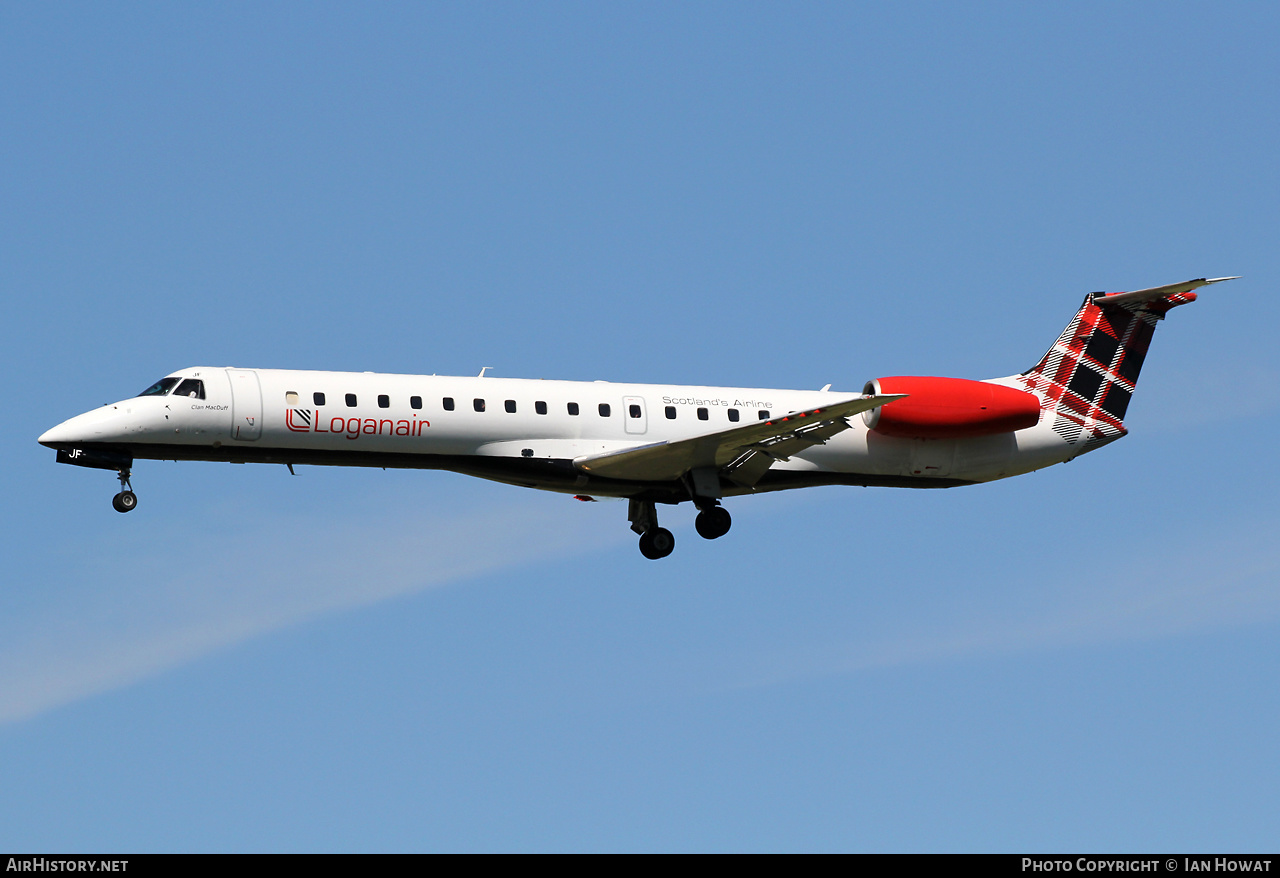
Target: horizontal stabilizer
1157	292
775	439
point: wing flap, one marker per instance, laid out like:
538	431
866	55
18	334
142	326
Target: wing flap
762	442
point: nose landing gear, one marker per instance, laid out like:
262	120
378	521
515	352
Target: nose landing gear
126	500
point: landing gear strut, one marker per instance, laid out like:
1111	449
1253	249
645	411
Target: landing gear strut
655	542
126	500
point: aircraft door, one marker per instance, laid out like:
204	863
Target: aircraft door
634	414
246	404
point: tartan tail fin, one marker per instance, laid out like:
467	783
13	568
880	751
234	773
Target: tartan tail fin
1088	377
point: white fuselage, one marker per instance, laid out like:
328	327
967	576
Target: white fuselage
517	430
650	443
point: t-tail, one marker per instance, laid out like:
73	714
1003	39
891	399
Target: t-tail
1087	378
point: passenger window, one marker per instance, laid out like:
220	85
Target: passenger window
415	402
540	407
161	387
194	388
671	413
764	414
290	398
351	400
384	401
448	403
478	404
733	415
633	411
604	409
510	406
317	398
702	414
573	408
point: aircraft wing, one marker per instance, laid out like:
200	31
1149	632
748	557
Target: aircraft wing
741	454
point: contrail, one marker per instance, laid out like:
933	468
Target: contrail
137	609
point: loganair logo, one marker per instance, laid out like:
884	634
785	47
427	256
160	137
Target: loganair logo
308	421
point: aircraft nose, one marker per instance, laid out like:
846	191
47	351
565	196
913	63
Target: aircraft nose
77	429
59	435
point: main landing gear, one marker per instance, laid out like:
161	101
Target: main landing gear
713	522
655	542
126	500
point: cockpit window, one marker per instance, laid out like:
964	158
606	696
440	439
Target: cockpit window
161	387
192	387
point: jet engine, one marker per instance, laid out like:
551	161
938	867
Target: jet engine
949	408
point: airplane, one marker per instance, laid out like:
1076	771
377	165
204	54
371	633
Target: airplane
647	443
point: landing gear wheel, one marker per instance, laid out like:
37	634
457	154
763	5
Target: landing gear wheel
657	543
124	501
713	523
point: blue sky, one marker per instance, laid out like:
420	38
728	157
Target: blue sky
752	195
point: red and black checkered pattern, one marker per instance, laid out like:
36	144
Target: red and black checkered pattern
1088	376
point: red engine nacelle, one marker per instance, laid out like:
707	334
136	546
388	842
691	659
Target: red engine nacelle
949	408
